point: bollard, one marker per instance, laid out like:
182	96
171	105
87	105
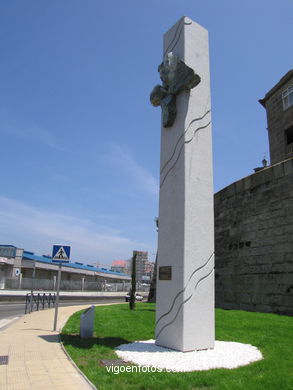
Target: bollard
87	323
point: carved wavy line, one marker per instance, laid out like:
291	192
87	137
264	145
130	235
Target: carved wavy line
175	44
182	291
180	150
181	136
174	37
183	303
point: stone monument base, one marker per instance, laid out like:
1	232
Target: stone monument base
224	355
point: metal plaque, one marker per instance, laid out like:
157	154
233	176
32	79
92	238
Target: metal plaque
4	360
165	273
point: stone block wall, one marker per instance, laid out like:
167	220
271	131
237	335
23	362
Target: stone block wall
254	242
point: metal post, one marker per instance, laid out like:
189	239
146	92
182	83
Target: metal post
26	303
32	289
19	280
57	297
38	301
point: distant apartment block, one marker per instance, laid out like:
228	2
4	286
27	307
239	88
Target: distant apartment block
144	268
121	266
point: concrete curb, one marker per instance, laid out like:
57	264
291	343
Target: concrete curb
69	357
75	366
6	322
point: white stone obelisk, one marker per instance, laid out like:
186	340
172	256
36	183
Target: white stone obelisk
185	280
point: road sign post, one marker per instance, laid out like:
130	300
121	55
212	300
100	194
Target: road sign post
32	287
57	297
60	254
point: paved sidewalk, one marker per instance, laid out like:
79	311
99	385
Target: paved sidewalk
36	360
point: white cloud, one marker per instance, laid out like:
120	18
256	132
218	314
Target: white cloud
124	160
43	136
38	229
31	131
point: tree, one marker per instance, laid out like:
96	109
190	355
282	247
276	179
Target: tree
153	286
133	282
152	292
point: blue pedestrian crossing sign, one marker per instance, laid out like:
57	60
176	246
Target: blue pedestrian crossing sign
61	253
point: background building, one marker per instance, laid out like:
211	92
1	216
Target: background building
278	103
254	221
144	268
121	266
141	265
16	271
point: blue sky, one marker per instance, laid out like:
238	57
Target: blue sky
79	139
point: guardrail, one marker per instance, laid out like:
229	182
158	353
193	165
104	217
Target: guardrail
35	300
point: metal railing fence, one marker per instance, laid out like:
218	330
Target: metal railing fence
35	301
70	285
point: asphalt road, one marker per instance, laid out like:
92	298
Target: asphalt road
11	310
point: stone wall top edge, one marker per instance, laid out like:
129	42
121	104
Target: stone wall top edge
276	87
248	181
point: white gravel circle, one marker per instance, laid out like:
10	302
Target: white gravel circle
224	355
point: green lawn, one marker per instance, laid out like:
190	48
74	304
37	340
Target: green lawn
115	325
